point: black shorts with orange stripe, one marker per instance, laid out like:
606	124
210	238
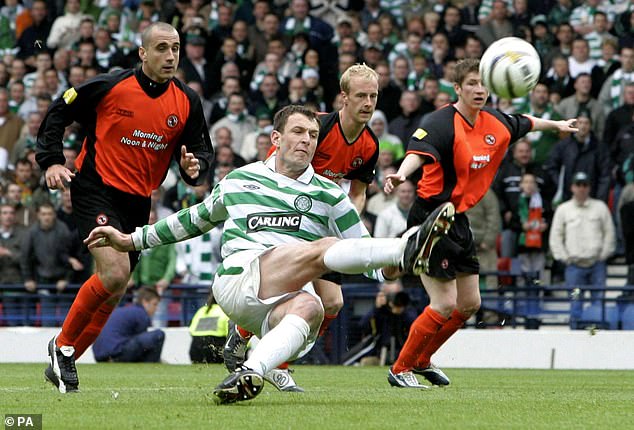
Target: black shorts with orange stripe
454	253
96	204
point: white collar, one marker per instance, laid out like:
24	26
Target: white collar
304	178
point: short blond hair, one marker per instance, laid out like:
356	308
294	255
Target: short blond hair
360	70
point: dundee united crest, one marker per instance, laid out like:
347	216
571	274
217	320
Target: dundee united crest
102	219
303	203
489	139
357	162
172	121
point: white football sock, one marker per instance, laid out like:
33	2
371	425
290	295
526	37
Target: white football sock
278	345
353	256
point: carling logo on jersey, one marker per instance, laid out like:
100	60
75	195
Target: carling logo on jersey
285	221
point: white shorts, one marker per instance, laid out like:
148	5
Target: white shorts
236	291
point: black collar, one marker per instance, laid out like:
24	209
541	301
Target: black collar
151	88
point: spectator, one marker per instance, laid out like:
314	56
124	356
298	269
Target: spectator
11	237
530	223
598	35
582	236
32	38
265	27
208	329
65	29
25	214
542	142
451	26
560	13
607	64
230	85
563	44
558	79
583	16
620	117
388	323
125	337
507	189
194	63
300	21
388	92
497	24
392	221
387	141
237	120
580	152
582	101
404	125
17	95
10	123
256	141
46	260
611	96
156	269
267	100
579	61
486	225
28	139
626	212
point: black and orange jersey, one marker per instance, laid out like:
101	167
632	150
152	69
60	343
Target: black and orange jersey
134	128
336	158
462	159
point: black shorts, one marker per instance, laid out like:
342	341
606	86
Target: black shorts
454	253
96	204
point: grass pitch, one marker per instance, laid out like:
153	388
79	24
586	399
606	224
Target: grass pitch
148	396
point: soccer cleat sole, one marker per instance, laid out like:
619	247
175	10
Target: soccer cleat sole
440	227
247	387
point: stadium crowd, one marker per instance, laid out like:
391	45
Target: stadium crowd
247	59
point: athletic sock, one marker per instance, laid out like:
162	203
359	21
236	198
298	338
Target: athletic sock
90	297
280	344
325	323
92	330
244	334
420	333
354	256
455	322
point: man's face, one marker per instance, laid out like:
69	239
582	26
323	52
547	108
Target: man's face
235	105
160	57
269	87
539	96
360	101
299	9
14	193
33	123
584	125
472	91
43	62
296	143
7	216
38	11
46	217
151	306
580	191
223	137
627	59
583	84
23	172
17	93
522	153
405	195
580	50
230	86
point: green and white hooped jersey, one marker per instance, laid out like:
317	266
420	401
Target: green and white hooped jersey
262	209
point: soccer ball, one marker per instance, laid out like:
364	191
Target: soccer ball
510	67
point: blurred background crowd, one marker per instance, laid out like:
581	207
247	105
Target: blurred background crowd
248	58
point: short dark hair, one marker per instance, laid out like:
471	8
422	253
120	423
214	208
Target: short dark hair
281	117
464	67
147	33
145	294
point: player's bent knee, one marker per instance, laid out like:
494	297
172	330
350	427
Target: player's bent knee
309	309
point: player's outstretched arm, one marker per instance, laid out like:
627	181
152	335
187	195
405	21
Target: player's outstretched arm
410	163
564	126
101	237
